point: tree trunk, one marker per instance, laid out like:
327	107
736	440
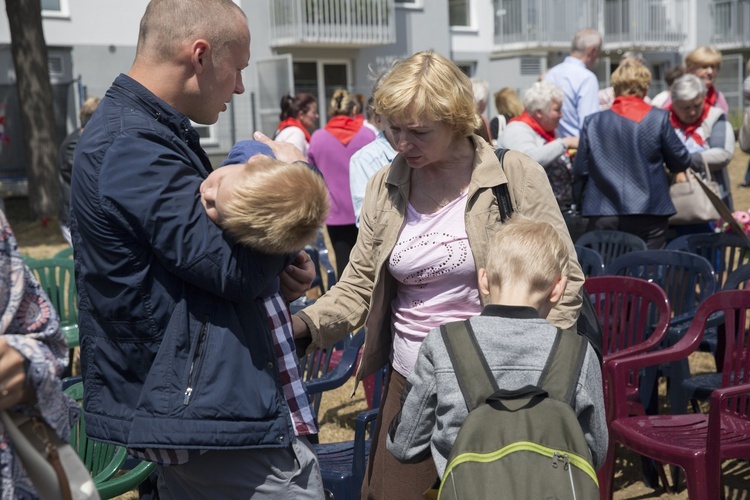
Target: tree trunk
36	104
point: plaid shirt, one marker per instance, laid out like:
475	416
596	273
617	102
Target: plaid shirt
297	399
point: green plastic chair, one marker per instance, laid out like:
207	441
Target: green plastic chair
65	253
104	461
57	278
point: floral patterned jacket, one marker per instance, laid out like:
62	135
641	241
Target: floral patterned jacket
32	327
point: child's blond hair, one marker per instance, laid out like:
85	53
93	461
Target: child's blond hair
276	207
526	251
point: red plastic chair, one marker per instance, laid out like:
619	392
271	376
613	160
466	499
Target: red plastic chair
634	315
697	442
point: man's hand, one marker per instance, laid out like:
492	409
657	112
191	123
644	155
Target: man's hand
297	277
282	150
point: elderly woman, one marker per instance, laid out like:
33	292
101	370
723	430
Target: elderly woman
704	130
705	62
533	133
424	231
33	354
622	152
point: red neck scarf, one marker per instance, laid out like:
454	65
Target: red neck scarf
343	128
690	130
711	96
293	122
631	107
531	122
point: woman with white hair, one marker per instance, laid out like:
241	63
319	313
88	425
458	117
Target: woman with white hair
533	133
703	129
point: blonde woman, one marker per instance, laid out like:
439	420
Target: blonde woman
424	231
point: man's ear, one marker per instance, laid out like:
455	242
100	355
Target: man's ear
558	290
199	53
484	282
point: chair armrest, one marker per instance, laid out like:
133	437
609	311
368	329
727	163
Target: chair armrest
113	466
718	399
342	371
126	482
616	371
360	440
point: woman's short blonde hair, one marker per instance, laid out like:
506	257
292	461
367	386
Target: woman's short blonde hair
429	86
343	103
702	56
527	252
631	78
507	102
276	207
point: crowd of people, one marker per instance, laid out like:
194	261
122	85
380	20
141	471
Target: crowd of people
185	271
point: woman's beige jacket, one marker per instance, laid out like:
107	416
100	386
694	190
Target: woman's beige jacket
364	292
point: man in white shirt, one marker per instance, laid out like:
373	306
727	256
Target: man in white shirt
577	81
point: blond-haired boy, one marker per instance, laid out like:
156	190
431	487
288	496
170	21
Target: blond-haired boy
275	207
269	205
525	276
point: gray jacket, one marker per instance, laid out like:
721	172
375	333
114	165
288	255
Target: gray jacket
516	343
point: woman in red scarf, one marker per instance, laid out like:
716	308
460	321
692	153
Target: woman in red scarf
621	156
330	150
705	62
299	116
703	129
533	133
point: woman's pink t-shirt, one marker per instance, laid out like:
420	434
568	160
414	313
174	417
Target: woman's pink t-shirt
437	279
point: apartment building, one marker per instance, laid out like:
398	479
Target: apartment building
320	45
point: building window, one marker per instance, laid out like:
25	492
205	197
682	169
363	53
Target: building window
458	13
408	3
54	8
207	134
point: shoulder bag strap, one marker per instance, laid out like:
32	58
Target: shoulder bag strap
472	371
502	195
562	370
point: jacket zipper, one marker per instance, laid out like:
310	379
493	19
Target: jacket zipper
194	364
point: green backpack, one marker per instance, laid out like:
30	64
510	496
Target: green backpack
525	443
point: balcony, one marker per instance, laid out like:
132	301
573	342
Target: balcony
332	23
551	24
731	23
653	24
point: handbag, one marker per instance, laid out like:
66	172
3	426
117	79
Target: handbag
52	465
690	200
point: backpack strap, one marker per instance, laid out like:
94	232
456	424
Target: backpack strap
563	368
502	195
472	371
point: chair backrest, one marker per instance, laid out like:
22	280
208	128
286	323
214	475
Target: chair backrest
634	313
725	251
686	278
739	279
611	244
591	262
65	253
735	305
57	279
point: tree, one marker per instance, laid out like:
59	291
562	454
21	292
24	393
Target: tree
29	51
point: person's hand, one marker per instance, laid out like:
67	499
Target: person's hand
300	328
283	151
297	277
680	177
570	142
13	387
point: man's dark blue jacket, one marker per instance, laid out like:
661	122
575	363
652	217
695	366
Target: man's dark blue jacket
176	350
